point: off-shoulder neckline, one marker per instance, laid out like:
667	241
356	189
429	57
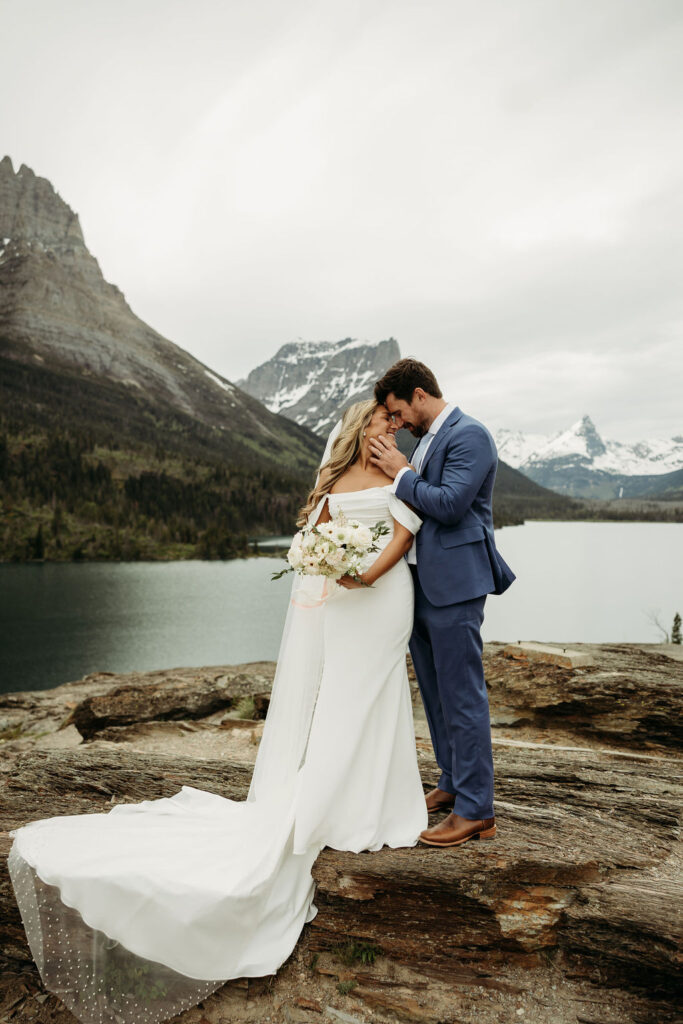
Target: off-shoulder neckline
362	490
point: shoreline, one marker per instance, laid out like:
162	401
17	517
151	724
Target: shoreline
626	696
273	553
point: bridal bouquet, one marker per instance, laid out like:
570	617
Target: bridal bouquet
333	549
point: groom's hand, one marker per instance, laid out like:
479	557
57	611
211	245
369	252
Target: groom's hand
385	454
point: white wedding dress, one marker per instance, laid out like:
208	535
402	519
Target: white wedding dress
139	913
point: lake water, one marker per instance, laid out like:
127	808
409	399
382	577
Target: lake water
575	582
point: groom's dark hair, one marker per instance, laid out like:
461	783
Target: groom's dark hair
403	377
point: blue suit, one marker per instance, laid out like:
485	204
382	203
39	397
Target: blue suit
457	566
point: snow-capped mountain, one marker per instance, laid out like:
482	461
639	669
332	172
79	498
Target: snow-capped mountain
310	382
579	462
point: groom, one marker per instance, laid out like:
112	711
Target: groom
455	564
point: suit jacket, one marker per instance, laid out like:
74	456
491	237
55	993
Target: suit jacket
456	552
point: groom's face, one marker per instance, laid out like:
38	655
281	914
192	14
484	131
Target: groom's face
410	415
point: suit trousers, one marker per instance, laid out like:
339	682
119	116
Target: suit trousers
446	648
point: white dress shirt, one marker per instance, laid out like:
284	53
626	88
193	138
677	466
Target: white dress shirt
418	459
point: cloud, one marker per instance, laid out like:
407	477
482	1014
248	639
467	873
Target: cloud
496	185
547	391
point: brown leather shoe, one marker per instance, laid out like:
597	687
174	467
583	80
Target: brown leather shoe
439	800
455	830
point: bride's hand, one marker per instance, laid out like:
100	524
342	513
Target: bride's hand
350	582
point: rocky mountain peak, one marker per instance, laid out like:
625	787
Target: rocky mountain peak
311	382
59	316
31	211
587	430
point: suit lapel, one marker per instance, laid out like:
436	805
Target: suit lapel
441	437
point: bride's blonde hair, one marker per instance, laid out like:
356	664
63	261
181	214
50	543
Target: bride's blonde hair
345	451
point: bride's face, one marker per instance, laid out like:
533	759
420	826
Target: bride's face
382	422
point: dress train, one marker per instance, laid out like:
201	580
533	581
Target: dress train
135	915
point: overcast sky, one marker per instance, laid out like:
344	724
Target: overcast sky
498	185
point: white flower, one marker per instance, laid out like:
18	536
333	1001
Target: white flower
294	555
323	548
363	537
337	558
309	541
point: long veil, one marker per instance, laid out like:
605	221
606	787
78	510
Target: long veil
140	944
296	682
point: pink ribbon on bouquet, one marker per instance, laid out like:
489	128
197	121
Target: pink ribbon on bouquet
315	600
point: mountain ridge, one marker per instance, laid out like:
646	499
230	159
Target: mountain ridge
115	443
579	462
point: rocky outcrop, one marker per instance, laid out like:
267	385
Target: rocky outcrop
627	696
630	695
32	209
570	914
189	695
583	861
583	867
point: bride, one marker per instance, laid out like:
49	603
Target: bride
139	913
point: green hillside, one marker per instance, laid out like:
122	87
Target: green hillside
90	471
667	487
